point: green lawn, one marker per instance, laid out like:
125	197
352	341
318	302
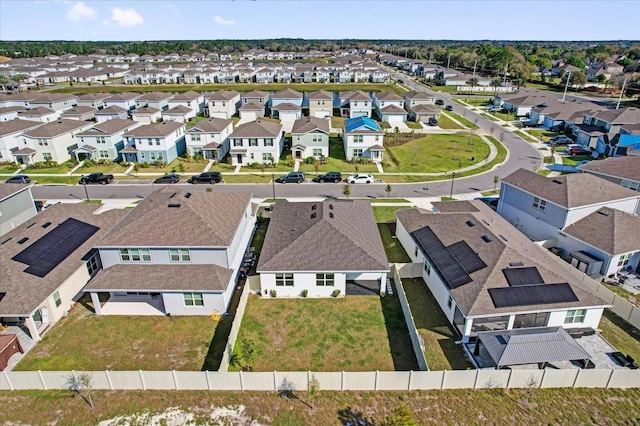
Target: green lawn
336	162
353	333
542	133
84	341
104	168
406	178
385	215
623	336
525	136
500	158
413	125
445	122
544	172
503	116
441	351
337	122
55	179
474	101
573	160
252	178
55	170
461	119
195	121
435	153
7	168
490	117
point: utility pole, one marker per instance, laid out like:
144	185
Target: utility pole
474	67
504	80
566	86
448	60
624	83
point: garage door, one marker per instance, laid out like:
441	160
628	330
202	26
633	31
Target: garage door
249	116
395	119
322	114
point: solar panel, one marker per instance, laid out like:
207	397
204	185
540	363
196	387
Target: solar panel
55	246
522	276
466	257
527	295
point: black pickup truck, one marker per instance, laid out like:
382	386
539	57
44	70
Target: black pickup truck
100	178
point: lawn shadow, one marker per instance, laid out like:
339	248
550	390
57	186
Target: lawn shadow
402	353
629	329
350	417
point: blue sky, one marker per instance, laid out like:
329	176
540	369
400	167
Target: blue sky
330	19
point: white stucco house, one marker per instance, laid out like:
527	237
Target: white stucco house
291	263
390	107
103	141
223	103
158	100
256	142
110	112
11	137
209	138
54	141
125	100
154	142
192	100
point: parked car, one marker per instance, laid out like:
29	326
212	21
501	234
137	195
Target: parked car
97	177
168	178
19	179
560	140
449	108
329	177
292	177
433	122
579	151
360	178
495	108
529	123
439	102
492	202
206	177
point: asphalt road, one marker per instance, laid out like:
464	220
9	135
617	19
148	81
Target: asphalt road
521	155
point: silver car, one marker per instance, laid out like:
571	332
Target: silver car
360	178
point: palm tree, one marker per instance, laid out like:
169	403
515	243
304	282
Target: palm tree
473	82
495	83
19	78
3	81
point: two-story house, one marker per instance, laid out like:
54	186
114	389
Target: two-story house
390	107
485	275
291	265
158	100
255	96
124	100
223	103
11	137
111	112
320	104
10	113
146	115
310	138
289	99
54	141
209	138
600	126
58	102
179	113
81	113
362	138
256	142
94	100
355	103
624	171
190	268
192	100
540	206
103	141
421	106
41	114
154	142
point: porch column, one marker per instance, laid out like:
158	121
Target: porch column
95	299
383	283
33	330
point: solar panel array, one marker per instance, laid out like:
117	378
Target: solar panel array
522	276
528	295
55	246
454	263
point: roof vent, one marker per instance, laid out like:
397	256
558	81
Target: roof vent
603	212
6	241
486	238
314	215
557	181
30	225
470	223
330	206
516	263
174	205
503	237
331	215
485	222
314	207
173	195
23	240
187	195
46	224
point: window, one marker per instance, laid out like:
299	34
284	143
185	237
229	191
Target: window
104	154
539	319
268	142
415	252
284	280
237	142
46	156
575	316
214	104
150	142
317	138
539	204
253	142
377	138
135	255
427	267
100	139
450	301
357	153
153	156
317	152
180	255
43	142
93	264
197	152
195	138
157	141
358	138
324	280
266	156
56	298
624	260
631	185
193	299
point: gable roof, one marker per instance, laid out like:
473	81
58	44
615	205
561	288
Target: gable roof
393	109
506	247
16	125
210	125
323	236
94	96
359	124
287	93
8	189
37	111
222	95
254	94
355	95
55	128
178	110
203	219
147	110
619	116
320	95
620	167
186	96
155	129
286	106
258	128
309	124
79	110
388	96
573	190
111	110
124	96
155	96
419	95
109	127
608	229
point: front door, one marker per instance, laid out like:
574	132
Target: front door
298	154
239	158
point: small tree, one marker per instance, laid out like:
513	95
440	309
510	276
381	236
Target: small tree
136	167
248	352
387	189
402	416
181	168
530	385
346	190
496	179
83	385
416	151
314	388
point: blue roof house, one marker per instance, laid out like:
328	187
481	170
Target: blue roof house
362	137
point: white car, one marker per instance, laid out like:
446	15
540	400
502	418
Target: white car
360	178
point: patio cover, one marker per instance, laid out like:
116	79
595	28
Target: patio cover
531	346
9	345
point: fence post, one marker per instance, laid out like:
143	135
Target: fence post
6	376
175	379
576	379
44	385
342	381
144	385
241	381
475	382
410	379
610	377
206	376
444	375
375	383
106	373
509	379
275	381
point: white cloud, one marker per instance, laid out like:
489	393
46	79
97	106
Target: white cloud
126	17
220	20
80	11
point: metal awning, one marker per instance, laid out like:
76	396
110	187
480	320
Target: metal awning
584	257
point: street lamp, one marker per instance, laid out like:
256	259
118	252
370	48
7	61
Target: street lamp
453	176
84	183
273	184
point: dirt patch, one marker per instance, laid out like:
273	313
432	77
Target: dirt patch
175	416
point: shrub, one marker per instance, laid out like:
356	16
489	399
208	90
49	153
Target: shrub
143	165
335	293
304	293
273	293
309	160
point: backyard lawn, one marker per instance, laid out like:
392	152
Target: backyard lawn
441	350
392	247
84	341
622	335
336	161
354	333
436	153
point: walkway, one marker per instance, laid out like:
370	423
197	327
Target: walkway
211	163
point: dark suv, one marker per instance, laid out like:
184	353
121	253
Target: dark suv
97	177
329	177
439	102
206	177
18	179
295	177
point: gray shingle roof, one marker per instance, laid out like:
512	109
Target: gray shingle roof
607	229
178	109
79	110
473	298
254	94
286	106
251	106
222	95
205	219
124	96
24	292
342	236
108	127
111	110
210	125
258	128
55	128
393	109
620	167
388	96
309	124
320	95
8	189
186	96
147	110
574	190
287	94
17	125
155	129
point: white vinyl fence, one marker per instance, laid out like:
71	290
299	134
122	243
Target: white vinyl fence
237	321
331	381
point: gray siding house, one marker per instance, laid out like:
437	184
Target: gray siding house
310	138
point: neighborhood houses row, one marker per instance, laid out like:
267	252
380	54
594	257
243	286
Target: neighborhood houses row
481	266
